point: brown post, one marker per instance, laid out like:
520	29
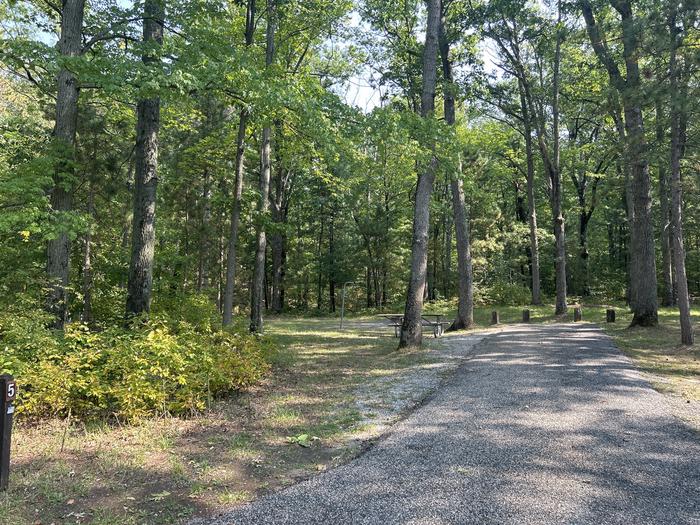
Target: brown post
526	316
8	394
577	314
610	315
495	319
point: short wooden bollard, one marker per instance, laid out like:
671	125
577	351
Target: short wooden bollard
495	319
577	314
610	315
8	394
526	316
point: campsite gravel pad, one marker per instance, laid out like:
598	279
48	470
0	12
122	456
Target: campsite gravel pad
544	424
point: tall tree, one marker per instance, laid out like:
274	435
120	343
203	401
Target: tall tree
59	248
243	118
143	238
643	298
257	295
465	305
554	169
668	295
531	201
679	119
411	328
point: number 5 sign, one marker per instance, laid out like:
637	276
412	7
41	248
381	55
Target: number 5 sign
10	391
8	394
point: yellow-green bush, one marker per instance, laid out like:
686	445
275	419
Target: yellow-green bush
165	365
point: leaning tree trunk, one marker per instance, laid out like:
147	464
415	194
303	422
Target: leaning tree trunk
238	187
143	237
58	249
465	305
678	132
411	328
258	291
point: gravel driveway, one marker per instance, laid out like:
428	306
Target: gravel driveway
544	424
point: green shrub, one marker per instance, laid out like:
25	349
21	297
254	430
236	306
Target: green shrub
165	365
508	294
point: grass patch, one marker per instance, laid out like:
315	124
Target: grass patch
167	470
674	368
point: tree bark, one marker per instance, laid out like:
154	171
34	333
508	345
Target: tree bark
64	132
143	237
331	261
555	176
465	305
643	282
678	139
531	201
668	295
411	328
231	255
86	315
258	292
205	235
280	212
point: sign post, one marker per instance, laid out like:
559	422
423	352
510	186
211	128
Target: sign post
342	302
8	394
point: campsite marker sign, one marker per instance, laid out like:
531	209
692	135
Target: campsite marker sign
8	394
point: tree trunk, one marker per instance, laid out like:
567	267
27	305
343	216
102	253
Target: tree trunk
278	243
531	202
238	187
58	249
555	176
465	306
235	220
584	219
86	315
643	275
643	283
280	212
411	329
668	296
331	262
319	258
205	235
148	123
678	139
447	284
258	292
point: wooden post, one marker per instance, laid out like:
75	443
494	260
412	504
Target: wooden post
577	314
495	319
610	315
8	394
526	316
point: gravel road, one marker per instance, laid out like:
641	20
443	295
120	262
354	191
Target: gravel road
544	424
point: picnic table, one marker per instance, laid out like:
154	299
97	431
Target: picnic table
434	321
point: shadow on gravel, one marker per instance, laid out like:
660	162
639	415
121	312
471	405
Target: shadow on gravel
542	425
